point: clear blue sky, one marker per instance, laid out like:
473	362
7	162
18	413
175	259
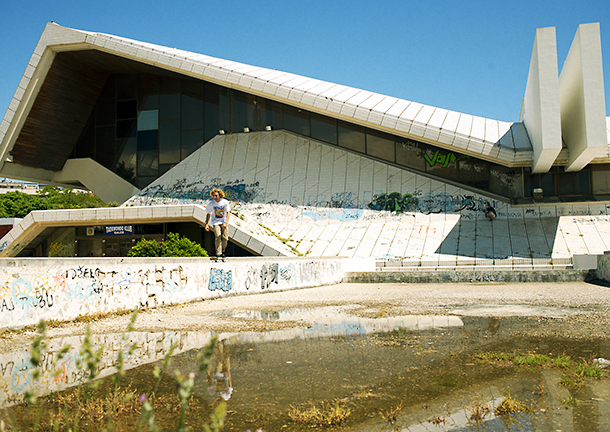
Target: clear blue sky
467	56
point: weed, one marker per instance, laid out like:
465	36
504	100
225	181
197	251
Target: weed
563	362
93	401
531	360
510	405
332	414
437	420
392	415
584	370
478	409
569	402
539	390
492	356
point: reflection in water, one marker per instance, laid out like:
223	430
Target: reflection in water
422	364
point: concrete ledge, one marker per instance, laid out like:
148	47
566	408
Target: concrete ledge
457	275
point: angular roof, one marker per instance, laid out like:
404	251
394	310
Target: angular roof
69	67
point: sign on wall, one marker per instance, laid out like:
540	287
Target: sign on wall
118	229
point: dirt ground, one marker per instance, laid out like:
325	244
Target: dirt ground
578	309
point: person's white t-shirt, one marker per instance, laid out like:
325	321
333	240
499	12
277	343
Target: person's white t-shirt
218	211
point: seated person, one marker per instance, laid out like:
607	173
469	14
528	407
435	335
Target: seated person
490	212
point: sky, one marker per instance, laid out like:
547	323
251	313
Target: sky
468	56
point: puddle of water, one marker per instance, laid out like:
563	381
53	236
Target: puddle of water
423	364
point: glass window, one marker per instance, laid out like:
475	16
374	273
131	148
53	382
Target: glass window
126	87
351	137
243	112
601	179
473	172
169	106
410	154
296	120
105	109
224	118
126	164
104	145
148	120
380	145
269	114
148	164
211	111
441	163
505	181
142	182
169	142
192	112
148	140
126	110
547	183
149	87
191	141
125	128
565	183
163	168
324	128
86	142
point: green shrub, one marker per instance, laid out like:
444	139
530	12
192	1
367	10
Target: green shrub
173	246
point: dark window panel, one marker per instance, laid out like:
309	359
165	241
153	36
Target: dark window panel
269	114
104	145
127	87
148	140
126	128
211	111
410	154
126	110
441	163
352	137
473	172
505	181
380	145
149	87
224	109
565	183
85	146
169	106
126	159
324	128
169	142
191	141
163	168
243	111
192	112
296	120
547	183
148	120
105	109
582	182
148	164
142	182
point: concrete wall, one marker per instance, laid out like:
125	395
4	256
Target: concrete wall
603	267
32	289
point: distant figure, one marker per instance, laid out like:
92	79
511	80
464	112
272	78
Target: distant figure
218	211
490	212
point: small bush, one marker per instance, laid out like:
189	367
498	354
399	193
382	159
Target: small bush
173	246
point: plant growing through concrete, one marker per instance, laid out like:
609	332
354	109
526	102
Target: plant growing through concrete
511	405
478	409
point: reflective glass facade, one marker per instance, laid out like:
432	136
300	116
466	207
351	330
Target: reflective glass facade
143	125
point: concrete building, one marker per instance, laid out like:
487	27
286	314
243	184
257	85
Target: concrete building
324	168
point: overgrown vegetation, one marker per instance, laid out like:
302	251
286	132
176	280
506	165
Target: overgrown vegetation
103	404
173	246
578	373
18	204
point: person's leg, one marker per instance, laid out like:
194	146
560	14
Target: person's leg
217	240
225	238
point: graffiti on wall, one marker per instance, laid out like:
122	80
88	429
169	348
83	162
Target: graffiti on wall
220	279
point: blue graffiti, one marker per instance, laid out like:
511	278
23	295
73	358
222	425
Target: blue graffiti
220	280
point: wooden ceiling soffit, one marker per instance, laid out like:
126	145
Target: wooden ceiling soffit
59	113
